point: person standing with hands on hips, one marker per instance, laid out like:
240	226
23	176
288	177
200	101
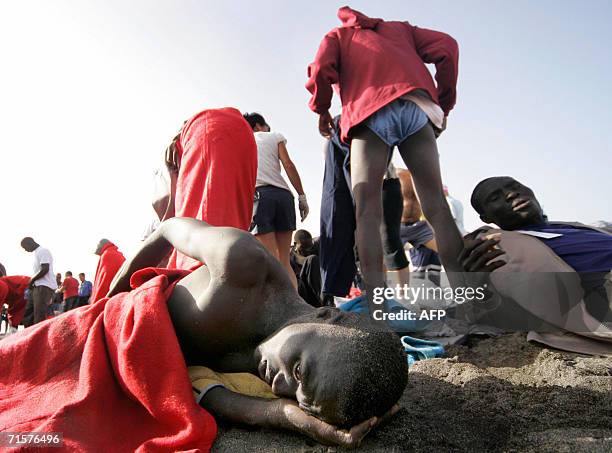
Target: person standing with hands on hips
274	211
389	100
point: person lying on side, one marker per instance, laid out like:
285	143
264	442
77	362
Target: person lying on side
337	374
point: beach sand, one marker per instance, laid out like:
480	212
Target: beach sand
494	394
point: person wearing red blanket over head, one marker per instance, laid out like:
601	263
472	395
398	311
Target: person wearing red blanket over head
389	99
109	263
12	291
211	168
337	374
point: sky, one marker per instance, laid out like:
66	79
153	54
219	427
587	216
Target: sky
91	92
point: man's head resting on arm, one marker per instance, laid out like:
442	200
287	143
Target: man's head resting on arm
504	201
338	366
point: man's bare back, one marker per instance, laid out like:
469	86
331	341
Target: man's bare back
240	313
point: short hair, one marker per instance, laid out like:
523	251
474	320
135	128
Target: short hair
377	364
27	240
69	273
82	273
300	235
475	198
254	119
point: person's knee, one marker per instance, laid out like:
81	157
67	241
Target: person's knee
368	203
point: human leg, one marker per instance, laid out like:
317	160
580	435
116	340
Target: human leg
269	242
369	159
283	243
395	258
420	154
41	296
28	315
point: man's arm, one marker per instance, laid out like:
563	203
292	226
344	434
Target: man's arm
284	414
228	252
294	178
323	73
44	268
442	50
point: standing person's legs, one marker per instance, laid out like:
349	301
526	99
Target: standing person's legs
369	160
283	244
28	314
396	261
420	154
269	242
41	296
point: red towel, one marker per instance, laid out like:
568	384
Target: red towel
109	263
12	290
109	376
218	168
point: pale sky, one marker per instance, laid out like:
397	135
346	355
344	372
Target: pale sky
91	92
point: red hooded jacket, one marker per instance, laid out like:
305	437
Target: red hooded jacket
373	62
110	261
12	290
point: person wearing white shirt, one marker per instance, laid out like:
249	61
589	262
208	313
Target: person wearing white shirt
274	209
42	284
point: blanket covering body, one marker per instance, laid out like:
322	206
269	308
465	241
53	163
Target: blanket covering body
109	263
217	173
110	376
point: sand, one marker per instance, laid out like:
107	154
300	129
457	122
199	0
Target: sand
497	394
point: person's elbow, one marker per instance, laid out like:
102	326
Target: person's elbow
289	166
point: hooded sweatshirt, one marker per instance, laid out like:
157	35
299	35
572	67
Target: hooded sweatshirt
372	62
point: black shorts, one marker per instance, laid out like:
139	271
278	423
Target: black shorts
273	210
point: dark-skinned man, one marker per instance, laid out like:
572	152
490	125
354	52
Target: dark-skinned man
240	313
42	284
514	208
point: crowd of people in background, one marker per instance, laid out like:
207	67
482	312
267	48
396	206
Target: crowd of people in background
27	301
238	302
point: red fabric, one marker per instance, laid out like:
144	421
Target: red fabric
109	263
12	290
218	168
109	376
71	287
373	62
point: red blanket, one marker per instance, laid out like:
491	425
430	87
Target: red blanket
109	263
218	169
12	290
109	376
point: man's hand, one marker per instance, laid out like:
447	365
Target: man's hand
303	206
172	156
328	434
326	124
477	254
438	130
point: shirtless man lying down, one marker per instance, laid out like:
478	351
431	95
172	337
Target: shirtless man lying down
336	374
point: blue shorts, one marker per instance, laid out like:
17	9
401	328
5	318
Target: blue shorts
397	121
